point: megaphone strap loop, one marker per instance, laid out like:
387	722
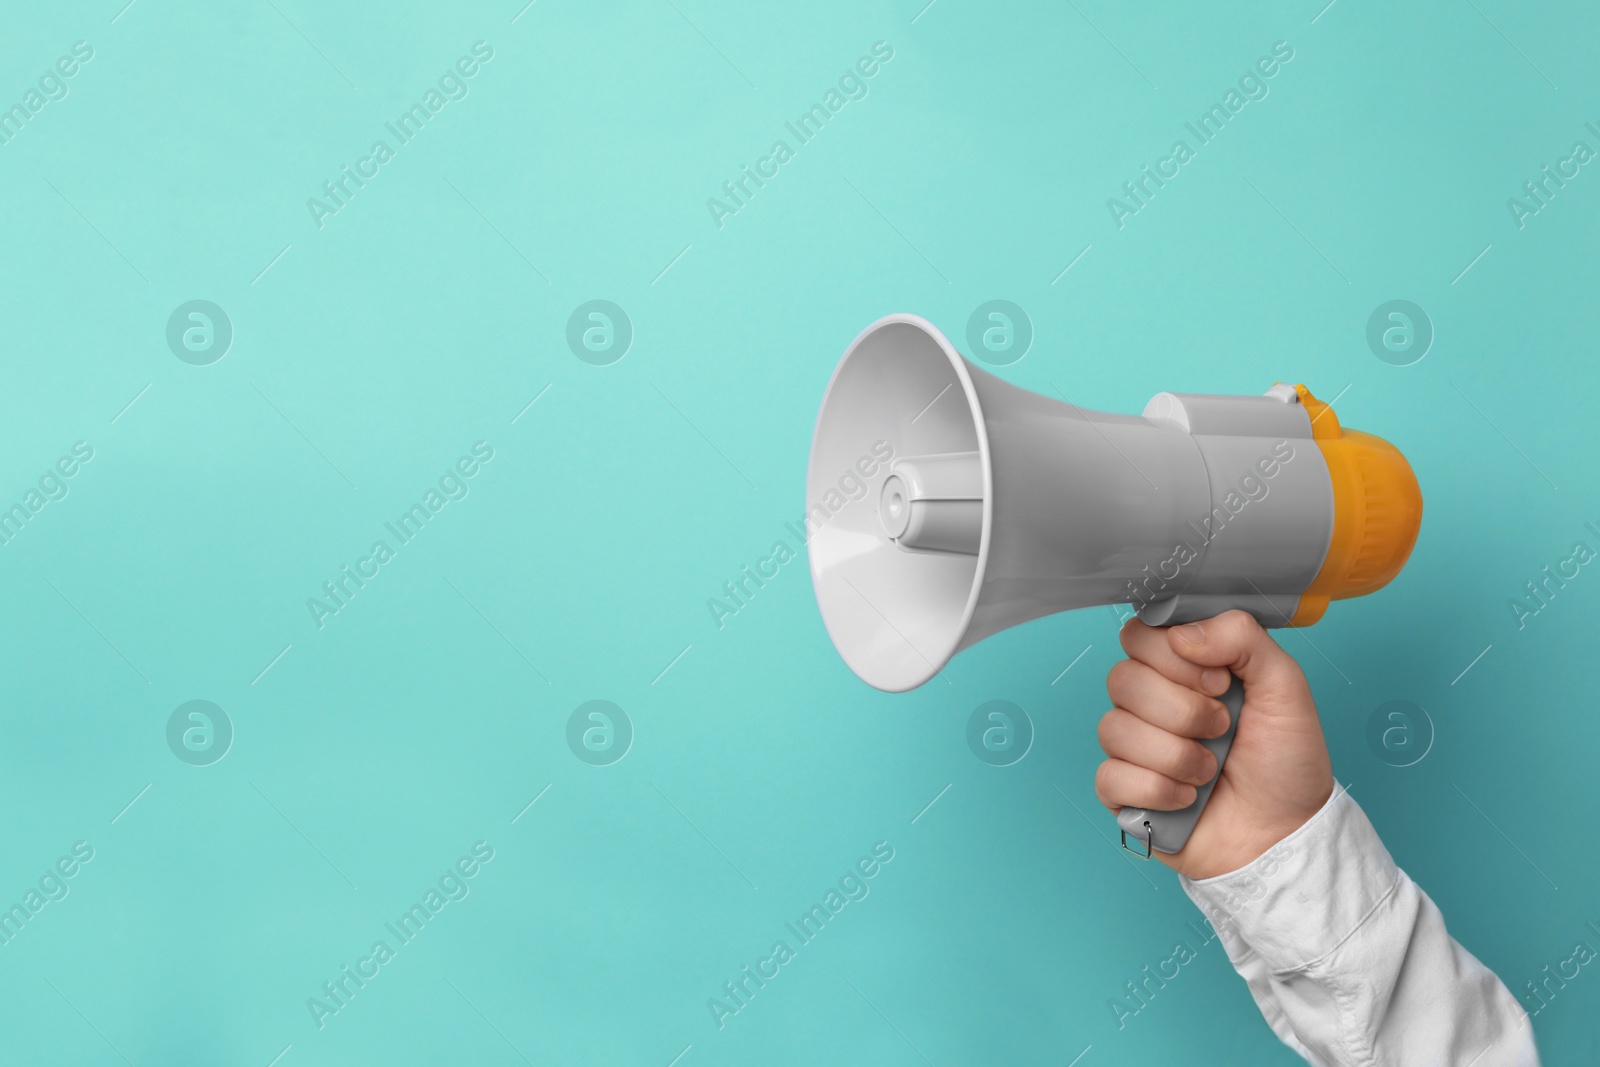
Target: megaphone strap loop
1149	841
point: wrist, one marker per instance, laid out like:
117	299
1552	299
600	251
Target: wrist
1245	845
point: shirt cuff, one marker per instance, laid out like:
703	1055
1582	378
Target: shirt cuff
1303	897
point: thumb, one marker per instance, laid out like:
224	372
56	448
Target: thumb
1235	640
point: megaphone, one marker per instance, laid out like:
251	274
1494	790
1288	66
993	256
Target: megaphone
985	506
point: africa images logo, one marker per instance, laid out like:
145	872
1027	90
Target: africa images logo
1204	129
852	486
853	886
852	85
452	886
453	485
51	88
452	85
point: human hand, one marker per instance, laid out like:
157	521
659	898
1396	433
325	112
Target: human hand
1277	774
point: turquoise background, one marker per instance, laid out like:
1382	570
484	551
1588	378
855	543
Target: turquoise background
368	355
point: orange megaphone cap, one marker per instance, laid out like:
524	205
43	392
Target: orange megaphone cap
1377	512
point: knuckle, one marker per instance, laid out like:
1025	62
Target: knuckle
1239	625
1198	715
1131	632
1169	794
1170	758
1177	759
1106	730
1198	764
1181	671
1118	677
1161	794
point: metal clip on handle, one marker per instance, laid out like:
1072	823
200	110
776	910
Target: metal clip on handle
1168	831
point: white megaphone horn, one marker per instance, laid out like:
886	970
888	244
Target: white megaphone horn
996	505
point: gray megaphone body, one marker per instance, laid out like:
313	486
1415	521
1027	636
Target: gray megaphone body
998	505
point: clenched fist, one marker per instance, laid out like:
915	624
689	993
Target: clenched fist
1165	695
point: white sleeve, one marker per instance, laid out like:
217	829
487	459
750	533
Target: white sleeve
1350	961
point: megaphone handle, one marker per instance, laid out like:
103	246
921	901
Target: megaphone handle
1168	831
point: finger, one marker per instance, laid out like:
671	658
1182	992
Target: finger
1162	702
1149	644
1120	784
1235	640
1129	738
